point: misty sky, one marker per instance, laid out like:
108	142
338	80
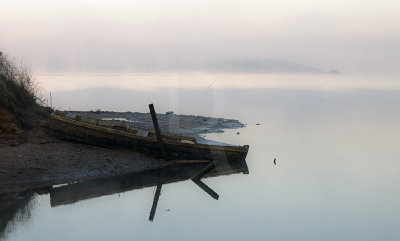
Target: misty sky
354	36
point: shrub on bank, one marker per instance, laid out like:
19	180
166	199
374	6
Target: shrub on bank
18	91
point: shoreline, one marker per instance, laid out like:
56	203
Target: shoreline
44	160
41	160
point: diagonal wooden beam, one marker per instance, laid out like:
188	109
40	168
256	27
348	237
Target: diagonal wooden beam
158	132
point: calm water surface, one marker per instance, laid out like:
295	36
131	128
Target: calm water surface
336	178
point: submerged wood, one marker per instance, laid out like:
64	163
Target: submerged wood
177	147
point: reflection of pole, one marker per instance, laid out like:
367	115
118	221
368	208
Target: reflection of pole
206	188
204	171
202	185
157	130
155	201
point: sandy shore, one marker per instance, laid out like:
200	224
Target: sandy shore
44	160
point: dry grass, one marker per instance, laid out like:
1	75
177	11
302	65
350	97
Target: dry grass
19	91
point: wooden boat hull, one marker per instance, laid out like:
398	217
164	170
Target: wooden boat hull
101	136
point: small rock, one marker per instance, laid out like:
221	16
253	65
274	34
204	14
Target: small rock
258	124
237	133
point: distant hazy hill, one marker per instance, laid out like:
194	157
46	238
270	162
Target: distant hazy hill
260	66
229	66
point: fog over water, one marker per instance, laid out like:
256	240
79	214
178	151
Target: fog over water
112	36
124	92
335	136
336	176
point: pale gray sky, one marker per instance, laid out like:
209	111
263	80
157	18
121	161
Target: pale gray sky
354	36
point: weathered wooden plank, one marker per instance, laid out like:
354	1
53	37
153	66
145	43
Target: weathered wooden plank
158	132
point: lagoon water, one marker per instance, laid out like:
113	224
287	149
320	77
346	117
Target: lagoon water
336	140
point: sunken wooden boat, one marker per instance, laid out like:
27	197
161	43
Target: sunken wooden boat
108	134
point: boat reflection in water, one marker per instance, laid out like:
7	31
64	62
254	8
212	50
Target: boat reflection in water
75	192
17	207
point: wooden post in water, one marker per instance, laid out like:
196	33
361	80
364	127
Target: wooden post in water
157	130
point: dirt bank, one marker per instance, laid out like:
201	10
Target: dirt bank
44	160
9	129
